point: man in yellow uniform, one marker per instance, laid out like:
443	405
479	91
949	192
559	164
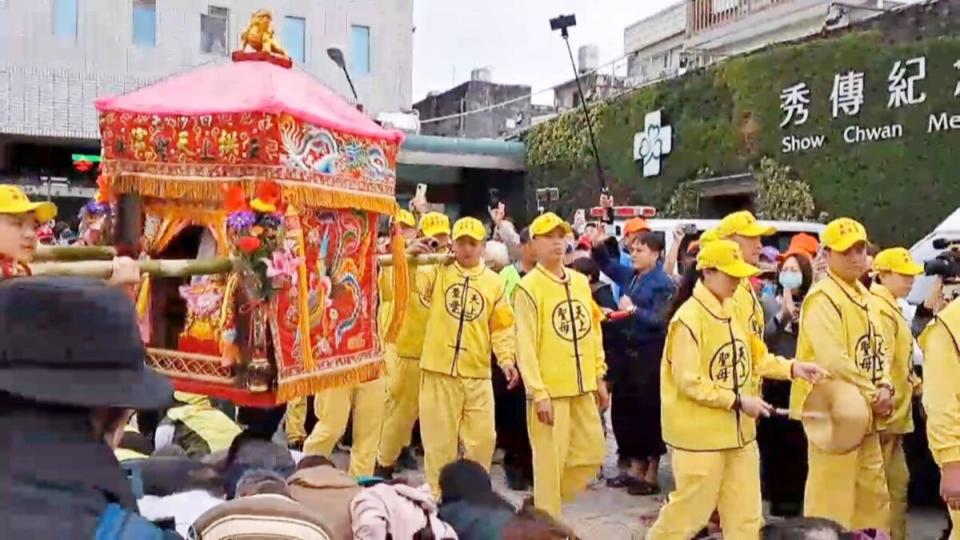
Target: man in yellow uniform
895	273
744	229
561	359
403	386
839	331
470	318
940	342
19	220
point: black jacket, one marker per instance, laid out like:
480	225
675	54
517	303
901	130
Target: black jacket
56	479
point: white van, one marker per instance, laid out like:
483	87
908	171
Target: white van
781	240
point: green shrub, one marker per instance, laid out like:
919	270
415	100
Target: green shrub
727	118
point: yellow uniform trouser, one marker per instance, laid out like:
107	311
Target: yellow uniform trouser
898	476
296	420
725	480
333	410
400	414
566	455
454	410
849	488
955	521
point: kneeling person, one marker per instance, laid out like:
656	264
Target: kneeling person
470	318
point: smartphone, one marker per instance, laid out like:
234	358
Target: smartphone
421	194
580	216
494	197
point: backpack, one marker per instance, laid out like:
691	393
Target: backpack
117	523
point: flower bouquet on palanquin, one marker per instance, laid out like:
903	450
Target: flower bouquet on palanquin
96	217
265	260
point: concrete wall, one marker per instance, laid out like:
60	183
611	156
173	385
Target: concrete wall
658	27
657	60
48	84
474	95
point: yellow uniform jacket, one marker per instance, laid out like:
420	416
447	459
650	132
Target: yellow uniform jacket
894	329
710	358
839	330
469	318
940	342
559	342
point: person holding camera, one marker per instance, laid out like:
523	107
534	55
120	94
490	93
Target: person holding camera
895	271
839	331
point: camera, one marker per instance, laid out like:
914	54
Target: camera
690	229
433	243
946	264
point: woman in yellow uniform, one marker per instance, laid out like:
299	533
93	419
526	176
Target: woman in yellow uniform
895	273
710	388
560	356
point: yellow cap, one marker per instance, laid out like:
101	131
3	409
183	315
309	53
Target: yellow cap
471	227
14	201
708	236
898	261
842	233
405	217
725	256
546	223
742	224
434	224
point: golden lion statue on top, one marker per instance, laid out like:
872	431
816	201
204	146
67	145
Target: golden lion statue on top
260	37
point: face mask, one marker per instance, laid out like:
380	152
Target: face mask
791	280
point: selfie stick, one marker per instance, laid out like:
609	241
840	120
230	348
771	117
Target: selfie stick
563	23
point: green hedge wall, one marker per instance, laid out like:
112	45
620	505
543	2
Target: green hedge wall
727	118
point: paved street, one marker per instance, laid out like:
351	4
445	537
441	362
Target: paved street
612	514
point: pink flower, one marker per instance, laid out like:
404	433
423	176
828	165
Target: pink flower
283	264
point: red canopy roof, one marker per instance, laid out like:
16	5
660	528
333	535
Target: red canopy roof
239	87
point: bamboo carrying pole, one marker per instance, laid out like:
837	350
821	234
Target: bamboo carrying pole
67	264
74	253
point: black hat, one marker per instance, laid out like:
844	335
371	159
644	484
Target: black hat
74	341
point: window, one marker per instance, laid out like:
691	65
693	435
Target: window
359	50
720	6
65	18
213	30
145	23
295	38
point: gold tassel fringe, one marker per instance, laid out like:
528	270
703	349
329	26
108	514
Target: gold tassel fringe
309	385
208	189
401	285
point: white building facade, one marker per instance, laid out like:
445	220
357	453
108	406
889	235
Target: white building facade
58	56
654	44
694	33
